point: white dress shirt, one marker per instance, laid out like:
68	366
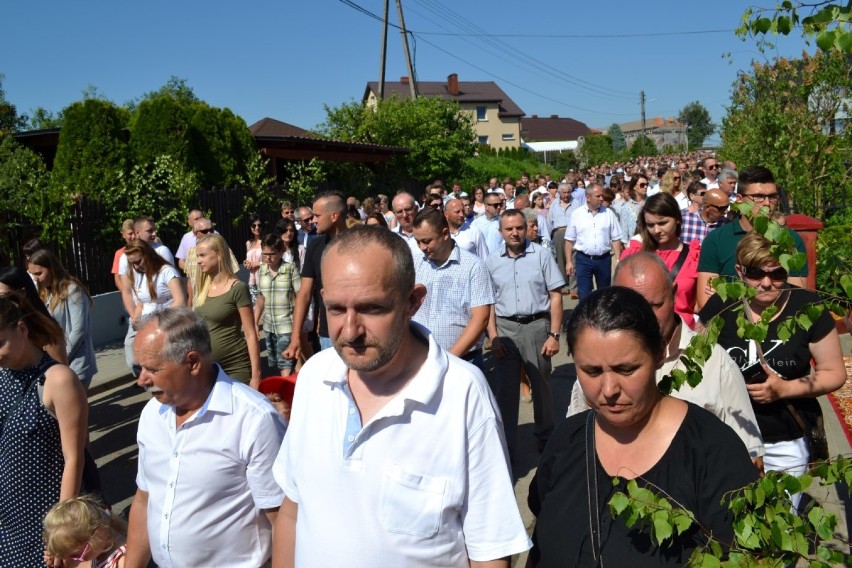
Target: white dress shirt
425	483
209	480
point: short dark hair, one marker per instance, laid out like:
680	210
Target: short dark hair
273	241
335	200
754	174
616	309
432	217
511	213
353	241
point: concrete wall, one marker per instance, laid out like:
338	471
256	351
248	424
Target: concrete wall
109	321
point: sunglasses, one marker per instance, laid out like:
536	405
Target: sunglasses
204	231
719	208
676	178
713	167
776	275
257	225
641	185
497	204
81	557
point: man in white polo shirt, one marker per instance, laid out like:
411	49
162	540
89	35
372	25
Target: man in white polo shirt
394	455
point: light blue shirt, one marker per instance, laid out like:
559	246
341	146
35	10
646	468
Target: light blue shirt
453	289
522	284
559	215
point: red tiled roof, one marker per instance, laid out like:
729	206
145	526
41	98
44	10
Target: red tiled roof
540	129
469	92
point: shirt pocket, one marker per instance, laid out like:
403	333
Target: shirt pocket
411	503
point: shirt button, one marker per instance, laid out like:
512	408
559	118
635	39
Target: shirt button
172	484
351	411
351	438
163	546
166	516
177	453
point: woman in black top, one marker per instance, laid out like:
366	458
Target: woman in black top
787	376
632	432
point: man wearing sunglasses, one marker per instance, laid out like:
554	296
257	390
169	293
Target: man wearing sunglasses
698	224
489	224
756	185
710	167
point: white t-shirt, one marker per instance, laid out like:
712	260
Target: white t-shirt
161	250
164	297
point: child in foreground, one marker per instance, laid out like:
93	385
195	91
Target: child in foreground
82	532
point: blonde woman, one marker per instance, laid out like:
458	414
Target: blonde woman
225	303
671	184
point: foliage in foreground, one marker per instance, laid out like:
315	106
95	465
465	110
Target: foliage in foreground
783	116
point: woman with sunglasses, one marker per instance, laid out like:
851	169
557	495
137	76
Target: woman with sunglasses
782	384
253	255
628	213
43	424
658	231
670	183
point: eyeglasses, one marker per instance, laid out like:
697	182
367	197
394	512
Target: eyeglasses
761	197
776	275
81	557
719	208
256	225
204	231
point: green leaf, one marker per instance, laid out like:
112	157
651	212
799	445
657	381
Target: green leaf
762	25
619	502
784	25
662	527
825	40
804	321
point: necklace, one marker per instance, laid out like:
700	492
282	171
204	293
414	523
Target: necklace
592	491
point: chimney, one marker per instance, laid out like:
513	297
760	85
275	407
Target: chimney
554	116
535	116
453	84
404	80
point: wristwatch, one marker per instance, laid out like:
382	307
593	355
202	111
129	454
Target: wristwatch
553	335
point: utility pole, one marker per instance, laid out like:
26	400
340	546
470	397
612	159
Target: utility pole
384	55
642	104
411	80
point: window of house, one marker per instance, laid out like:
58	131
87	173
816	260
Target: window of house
481	113
483	139
508	137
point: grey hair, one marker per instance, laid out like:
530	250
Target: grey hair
564	184
185	331
591	187
728	173
530	214
640	263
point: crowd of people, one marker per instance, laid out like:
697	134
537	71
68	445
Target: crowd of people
400	443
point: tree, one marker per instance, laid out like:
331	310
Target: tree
596	149
617	136
643	146
697	119
9	119
783	115
92	150
439	135
43	118
826	22
26	197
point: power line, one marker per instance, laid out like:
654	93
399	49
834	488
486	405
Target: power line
484	36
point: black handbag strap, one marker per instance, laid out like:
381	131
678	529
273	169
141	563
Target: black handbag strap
681	258
592	489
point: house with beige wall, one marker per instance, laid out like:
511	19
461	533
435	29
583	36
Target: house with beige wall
497	119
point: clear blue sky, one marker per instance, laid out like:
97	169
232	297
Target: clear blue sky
285	59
